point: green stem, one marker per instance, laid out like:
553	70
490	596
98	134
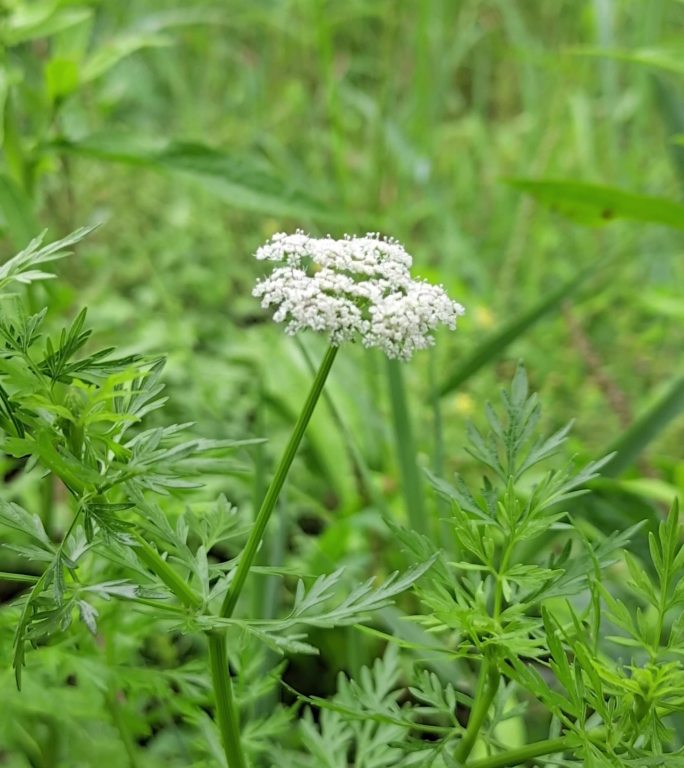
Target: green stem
498	593
23	577
269	502
226	711
25	618
411	482
167	574
524	754
260	603
47	504
366	486
487	686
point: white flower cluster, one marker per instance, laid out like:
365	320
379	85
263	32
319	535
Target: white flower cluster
358	287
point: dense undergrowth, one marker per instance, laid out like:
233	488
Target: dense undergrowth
530	157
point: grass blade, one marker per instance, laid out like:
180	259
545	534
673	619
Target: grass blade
17	211
671	109
498	342
667	59
411	477
595	204
634	440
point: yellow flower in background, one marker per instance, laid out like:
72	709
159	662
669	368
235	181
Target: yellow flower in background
270	227
484	317
462	404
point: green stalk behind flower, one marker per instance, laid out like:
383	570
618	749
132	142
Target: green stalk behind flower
226	710
269	502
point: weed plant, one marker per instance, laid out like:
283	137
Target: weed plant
530	155
493	611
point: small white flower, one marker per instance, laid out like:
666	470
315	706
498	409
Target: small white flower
358	287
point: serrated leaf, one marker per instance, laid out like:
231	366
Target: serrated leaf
15	517
88	615
310	605
35	253
114	588
202	569
30	552
640	579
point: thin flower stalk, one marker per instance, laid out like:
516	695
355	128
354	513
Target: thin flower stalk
227	715
351	289
226	710
271	498
522	755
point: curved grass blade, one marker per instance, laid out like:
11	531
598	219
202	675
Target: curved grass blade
635	439
667	59
499	341
17	211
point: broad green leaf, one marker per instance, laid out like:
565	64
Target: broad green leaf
246	183
61	77
661	301
17	211
496	344
596	205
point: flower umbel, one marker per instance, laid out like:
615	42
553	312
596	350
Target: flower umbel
358	287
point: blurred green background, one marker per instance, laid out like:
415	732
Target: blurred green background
192	131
